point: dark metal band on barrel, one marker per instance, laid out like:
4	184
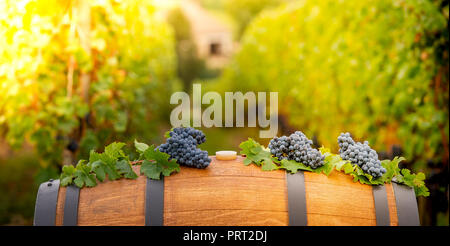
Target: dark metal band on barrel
407	211
45	208
381	205
71	206
154	202
296	199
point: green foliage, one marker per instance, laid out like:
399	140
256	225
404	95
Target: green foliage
155	162
327	167
129	61
83	175
375	68
393	173
115	164
167	133
112	163
241	11
257	154
293	167
67	175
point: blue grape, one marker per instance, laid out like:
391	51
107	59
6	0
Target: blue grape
182	146
360	154
296	147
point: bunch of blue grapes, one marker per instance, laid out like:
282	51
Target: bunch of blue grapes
296	147
360	154
182	146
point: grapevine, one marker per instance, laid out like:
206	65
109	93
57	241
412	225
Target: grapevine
276	157
386	80
115	164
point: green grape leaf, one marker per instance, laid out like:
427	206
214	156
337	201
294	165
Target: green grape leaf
268	164
124	168
140	147
170	166
364	178
115	164
348	168
326	168
98	167
421	191
151	169
247	161
293	166
324	150
157	163
83	176
391	167
106	162
408	178
337	162
329	163
167	134
94	156
114	150
67	175
257	154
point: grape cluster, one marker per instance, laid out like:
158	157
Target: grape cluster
182	146
360	154
296	147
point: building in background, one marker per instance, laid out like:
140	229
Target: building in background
213	37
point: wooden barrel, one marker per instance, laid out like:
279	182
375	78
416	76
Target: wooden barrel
228	193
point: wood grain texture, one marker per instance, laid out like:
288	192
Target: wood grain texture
226	168
392	205
339	199
226	193
119	202
60	206
226	217
229	193
335	220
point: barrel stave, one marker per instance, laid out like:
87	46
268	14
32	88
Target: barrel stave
229	193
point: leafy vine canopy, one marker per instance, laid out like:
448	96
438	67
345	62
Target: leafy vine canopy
374	68
64	68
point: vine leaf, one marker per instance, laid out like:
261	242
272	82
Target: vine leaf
392	169
364	178
82	175
255	153
151	170
140	147
98	167
115	164
247	161
260	156
268	164
328	164
67	175
157	163
293	166
104	163
124	168
167	134
114	150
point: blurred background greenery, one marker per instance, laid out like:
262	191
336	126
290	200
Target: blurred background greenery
76	75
